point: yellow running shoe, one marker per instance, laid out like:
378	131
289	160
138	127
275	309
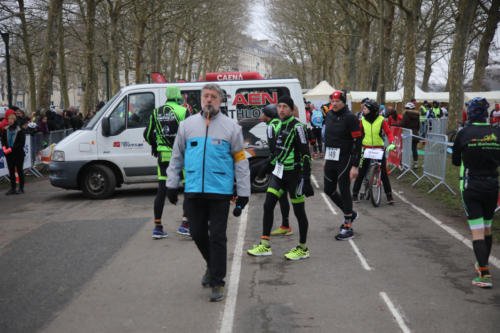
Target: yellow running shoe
260	250
282	231
297	253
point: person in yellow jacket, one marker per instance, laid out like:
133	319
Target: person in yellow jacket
372	125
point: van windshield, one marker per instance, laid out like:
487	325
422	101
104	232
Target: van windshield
101	112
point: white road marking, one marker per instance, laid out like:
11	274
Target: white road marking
328	203
234	281
364	263
395	312
492	260
315	181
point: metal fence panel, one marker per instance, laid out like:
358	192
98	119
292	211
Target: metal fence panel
435	160
406	156
433	125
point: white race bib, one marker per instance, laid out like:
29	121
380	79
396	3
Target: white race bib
332	154
278	170
374	154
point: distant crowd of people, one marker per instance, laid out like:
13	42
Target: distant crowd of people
16	124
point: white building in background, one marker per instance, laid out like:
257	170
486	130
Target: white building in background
255	56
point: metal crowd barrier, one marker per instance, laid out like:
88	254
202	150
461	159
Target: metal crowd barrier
40	141
433	125
435	160
406	155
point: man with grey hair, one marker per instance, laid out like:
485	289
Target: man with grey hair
209	146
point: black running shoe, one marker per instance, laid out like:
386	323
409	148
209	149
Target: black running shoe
345	234
217	294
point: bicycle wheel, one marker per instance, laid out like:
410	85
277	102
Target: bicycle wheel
375	188
365	189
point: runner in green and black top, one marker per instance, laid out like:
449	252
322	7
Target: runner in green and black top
291	174
160	134
269	115
477	151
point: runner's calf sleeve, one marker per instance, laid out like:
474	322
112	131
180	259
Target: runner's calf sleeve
488	240
481	252
160	199
300	213
268	219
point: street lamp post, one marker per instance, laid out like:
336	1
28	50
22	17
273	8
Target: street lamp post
5	37
106	66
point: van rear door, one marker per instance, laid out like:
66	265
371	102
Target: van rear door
126	146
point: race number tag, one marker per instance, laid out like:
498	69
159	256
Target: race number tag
332	154
373	154
278	170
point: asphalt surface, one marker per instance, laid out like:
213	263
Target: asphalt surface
69	264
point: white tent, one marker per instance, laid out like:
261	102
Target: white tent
390	96
493	97
322	91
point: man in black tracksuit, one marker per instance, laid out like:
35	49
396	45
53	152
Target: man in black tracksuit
477	151
343	149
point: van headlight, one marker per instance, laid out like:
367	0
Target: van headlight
58	156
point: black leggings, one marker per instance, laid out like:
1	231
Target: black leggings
338	172
210	238
285	210
363	169
316	132
16	162
160	201
414	150
292	183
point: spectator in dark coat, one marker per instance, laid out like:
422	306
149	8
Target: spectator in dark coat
42	125
13	139
411	120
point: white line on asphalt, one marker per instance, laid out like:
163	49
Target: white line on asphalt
234	281
328	203
395	312
315	181
492	260
364	263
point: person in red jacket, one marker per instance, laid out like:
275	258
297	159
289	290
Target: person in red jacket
4	123
495	115
394	118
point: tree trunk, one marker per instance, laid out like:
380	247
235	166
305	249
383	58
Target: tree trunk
114	10
466	12
90	92
62	66
29	57
139	45
429	36
484	45
174	55
364	83
49	55
411	53
381	67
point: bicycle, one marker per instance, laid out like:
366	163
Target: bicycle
372	183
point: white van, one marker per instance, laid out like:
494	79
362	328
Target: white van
111	151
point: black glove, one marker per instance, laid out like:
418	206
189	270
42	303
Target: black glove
308	189
241	202
172	194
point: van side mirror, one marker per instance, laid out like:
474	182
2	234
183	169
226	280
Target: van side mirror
106	128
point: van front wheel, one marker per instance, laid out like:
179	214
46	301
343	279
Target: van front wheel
99	182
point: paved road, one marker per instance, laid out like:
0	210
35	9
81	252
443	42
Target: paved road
73	265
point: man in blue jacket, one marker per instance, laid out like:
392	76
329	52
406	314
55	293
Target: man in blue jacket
209	146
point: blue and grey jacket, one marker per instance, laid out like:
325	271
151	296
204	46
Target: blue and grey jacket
213	156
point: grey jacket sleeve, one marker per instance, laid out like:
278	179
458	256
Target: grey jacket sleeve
241	166
177	160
